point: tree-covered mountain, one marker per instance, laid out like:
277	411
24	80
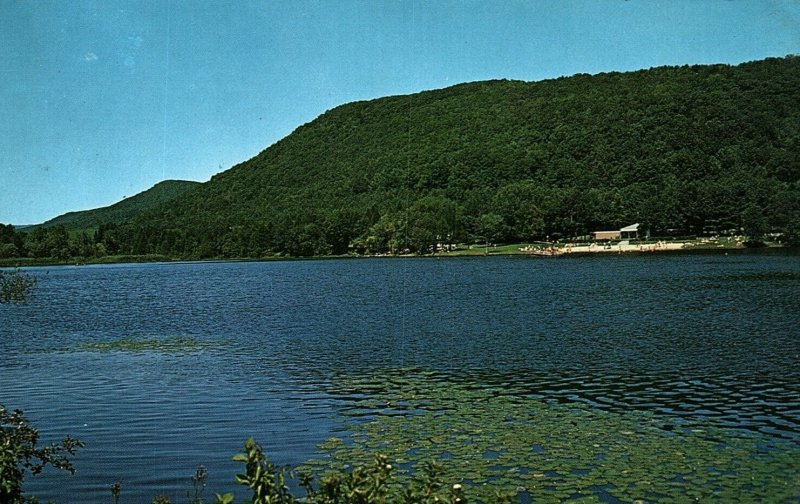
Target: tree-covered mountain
678	149
81	234
124	210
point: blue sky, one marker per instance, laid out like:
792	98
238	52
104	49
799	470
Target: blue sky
103	99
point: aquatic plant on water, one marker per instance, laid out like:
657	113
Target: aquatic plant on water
497	439
414	437
171	344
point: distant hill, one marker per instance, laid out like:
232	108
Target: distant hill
123	211
687	149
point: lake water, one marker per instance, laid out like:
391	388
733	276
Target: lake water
257	349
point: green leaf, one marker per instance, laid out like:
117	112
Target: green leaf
224	499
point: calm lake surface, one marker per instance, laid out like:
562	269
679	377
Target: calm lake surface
256	349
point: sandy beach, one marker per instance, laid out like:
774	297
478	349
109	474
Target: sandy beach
624	246
599	248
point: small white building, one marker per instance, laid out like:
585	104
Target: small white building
629	232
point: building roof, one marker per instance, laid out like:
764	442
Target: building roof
630	229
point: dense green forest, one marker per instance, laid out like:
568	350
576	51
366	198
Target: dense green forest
681	150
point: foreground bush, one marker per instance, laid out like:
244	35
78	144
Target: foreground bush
19	454
363	485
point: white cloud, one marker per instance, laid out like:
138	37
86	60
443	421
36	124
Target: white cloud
89	57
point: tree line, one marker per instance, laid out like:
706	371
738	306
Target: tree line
681	150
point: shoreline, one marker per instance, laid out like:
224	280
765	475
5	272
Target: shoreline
705	246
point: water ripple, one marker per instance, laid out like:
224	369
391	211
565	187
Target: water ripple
688	338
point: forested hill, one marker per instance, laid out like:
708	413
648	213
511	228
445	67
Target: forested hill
125	210
678	149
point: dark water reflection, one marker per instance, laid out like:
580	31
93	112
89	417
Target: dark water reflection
687	337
